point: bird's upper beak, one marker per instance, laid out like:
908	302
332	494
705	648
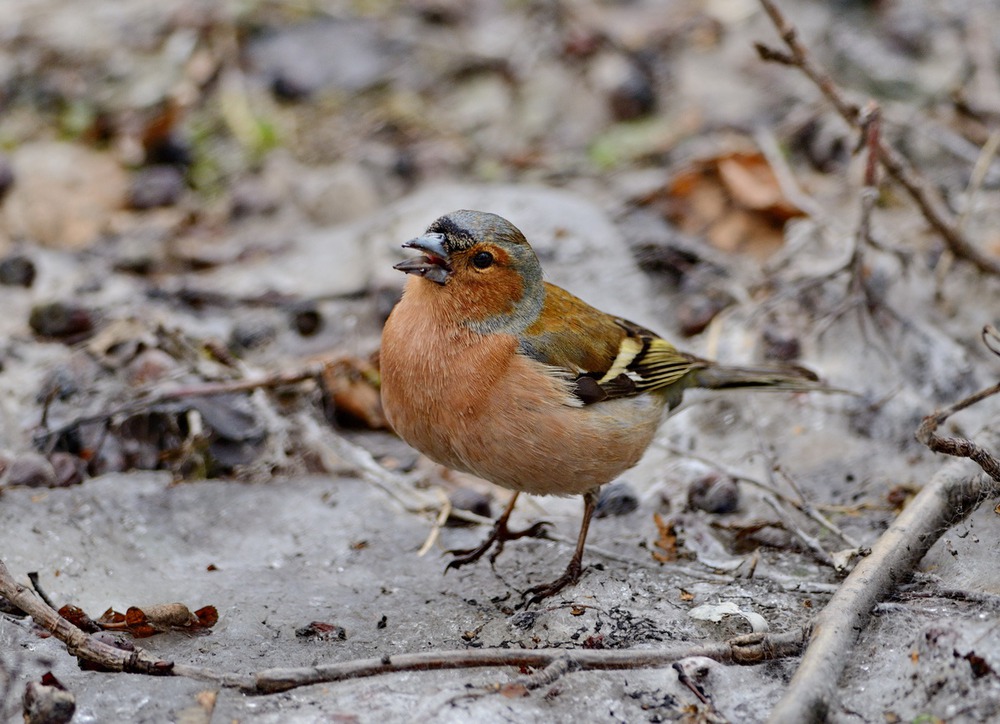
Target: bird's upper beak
433	265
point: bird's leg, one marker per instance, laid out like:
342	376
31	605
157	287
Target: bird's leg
571	575
498	536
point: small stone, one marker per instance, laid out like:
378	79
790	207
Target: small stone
304	59
252	334
31	470
69	469
696	311
616	499
470	500
112	639
17	270
65	195
149	366
307	319
6	176
253	196
48	702
321	631
714	494
336	194
155	186
634	97
781	344
61	320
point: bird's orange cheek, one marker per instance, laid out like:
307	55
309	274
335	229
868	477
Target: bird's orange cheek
490	294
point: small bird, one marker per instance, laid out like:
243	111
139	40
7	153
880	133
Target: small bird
488	369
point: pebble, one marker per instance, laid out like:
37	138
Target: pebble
616	499
781	343
307	319
65	195
17	270
304	59
148	366
714	494
634	97
31	470
250	334
6	176
697	310
69	469
61	320
155	186
48	703
470	500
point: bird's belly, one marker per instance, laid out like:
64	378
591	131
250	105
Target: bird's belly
523	431
568	450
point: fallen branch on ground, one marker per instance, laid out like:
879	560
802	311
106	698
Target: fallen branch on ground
79	644
744	650
895	164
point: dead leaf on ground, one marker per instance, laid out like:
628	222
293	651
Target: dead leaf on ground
351	385
150	620
79	618
666	541
733	200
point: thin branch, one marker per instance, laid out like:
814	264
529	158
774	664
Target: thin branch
958	446
744	650
895	164
78	643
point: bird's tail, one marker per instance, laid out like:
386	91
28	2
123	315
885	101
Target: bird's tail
775	377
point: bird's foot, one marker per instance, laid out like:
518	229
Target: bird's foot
497	537
537	594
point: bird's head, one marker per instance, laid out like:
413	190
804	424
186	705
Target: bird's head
483	265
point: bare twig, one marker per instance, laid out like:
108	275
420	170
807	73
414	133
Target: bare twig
859	291
442	518
77	642
963	447
750	649
952	494
979	171
895	164
33	577
813	545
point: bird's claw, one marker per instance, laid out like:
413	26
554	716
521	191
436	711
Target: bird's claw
497	537
537	594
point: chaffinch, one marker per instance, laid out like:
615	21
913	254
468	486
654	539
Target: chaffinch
490	370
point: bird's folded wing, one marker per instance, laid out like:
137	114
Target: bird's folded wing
605	356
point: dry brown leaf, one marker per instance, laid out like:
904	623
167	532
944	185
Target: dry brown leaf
734	200
666	541
352	389
158	618
79	618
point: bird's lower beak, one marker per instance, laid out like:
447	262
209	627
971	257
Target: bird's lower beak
433	265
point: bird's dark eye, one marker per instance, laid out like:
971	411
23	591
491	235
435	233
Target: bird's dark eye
482	260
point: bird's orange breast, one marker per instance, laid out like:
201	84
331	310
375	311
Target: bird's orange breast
471	402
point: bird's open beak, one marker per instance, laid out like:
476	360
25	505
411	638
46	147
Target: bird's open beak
433	265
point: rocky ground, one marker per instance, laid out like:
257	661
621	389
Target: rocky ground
201	205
